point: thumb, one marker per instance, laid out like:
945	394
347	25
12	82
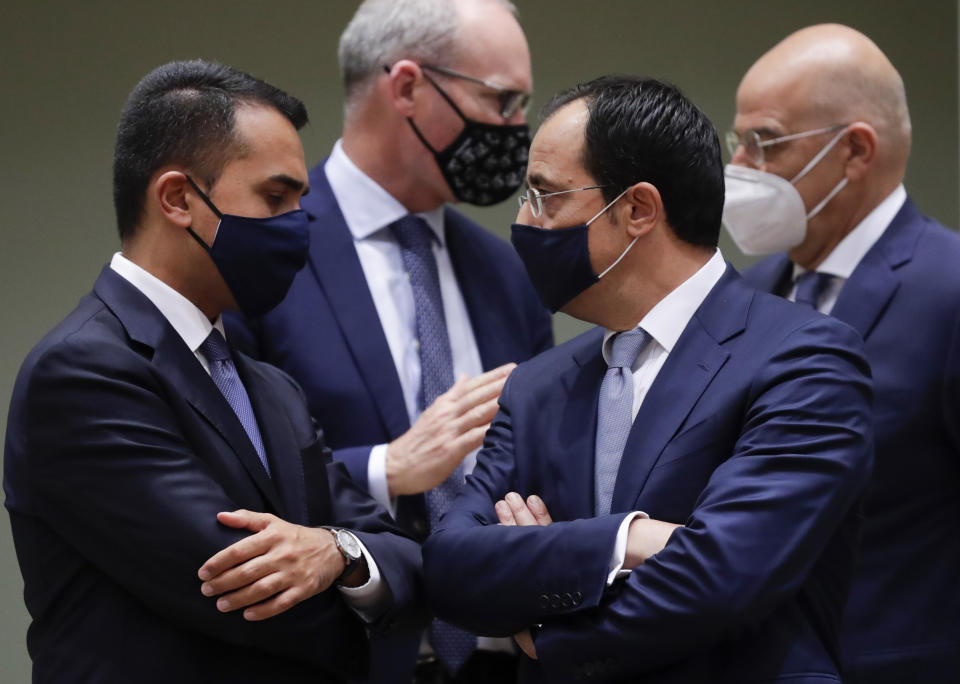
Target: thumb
244	519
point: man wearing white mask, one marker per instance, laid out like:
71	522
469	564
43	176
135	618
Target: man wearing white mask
820	146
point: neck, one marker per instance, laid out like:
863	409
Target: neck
161	262
400	172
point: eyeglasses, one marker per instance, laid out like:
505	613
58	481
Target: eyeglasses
535	197
753	144
511	101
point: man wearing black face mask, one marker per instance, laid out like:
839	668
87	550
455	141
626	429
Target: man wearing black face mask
671	496
403	295
171	499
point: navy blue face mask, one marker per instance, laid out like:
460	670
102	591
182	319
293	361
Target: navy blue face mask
558	259
257	257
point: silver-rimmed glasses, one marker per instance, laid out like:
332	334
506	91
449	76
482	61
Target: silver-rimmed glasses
753	144
535	197
511	101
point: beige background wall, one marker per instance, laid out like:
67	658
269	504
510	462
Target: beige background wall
65	68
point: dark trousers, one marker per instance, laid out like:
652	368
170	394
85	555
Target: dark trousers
483	667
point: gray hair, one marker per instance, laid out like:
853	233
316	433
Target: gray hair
385	31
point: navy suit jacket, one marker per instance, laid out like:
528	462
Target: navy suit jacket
120	451
327	335
755	435
903	619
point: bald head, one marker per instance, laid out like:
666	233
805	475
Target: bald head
830	74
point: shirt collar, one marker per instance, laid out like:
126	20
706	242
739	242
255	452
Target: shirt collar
367	207
853	247
183	315
666	321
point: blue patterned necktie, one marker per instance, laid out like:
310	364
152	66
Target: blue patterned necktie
615	414
224	376
810	287
453	645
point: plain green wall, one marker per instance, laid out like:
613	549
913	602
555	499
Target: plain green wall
67	67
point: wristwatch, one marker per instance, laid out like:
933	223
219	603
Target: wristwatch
349	546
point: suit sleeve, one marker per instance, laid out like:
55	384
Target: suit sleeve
951	388
117	478
801	462
519	576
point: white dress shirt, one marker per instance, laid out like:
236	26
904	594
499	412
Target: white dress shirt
194	327
369	210
664	323
848	253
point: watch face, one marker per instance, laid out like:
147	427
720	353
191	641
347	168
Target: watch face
349	544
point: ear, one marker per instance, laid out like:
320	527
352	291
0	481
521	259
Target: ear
401	83
170	189
643	210
861	150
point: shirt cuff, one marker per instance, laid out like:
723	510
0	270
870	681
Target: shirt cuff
377	479
620	548
371	598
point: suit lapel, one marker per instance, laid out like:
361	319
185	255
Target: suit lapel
175	362
336	266
573	448
471	277
874	281
688	370
283	452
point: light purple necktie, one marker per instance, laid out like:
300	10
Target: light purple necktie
452	644
224	376
615	414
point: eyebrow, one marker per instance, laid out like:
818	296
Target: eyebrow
540	181
291	183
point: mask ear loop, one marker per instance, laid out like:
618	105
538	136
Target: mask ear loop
632	242
820	155
213	208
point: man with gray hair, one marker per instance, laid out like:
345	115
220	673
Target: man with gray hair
404	295
820	147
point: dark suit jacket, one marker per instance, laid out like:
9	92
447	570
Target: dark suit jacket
120	451
903	619
328	336
756	436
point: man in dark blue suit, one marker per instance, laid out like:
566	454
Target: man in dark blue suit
867	257
376	330
675	490
176	514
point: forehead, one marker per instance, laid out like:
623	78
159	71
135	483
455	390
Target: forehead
772	101
491	45
271	144
556	153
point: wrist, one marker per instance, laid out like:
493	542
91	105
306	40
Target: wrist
351	553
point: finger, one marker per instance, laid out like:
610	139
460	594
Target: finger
237	577
262	589
243	519
504	513
539	510
478	415
280	603
465	443
457	390
235	554
521	513
479	396
498	374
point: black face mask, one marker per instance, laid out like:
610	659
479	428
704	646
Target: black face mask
486	163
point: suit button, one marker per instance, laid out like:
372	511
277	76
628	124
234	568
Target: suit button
577	598
555	602
567	600
544	601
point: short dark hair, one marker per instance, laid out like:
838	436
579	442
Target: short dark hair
184	113
642	129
